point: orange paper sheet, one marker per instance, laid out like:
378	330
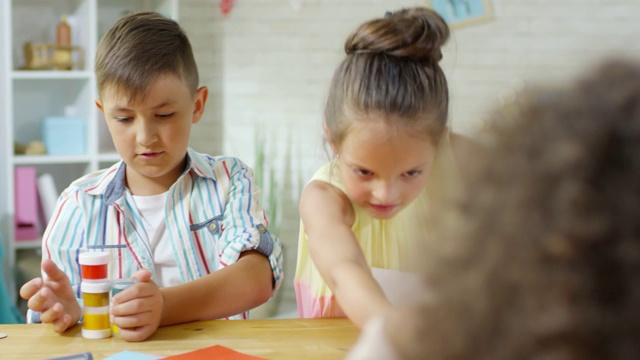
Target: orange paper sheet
217	352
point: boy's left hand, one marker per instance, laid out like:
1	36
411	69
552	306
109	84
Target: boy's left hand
138	309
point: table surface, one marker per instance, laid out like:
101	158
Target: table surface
270	339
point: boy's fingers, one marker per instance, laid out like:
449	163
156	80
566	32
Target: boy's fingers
41	300
30	288
136	334
52	314
52	271
62	323
143	275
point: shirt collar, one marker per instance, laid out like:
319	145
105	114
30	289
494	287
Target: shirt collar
115	189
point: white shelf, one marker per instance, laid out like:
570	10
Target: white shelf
50	75
50	159
27	244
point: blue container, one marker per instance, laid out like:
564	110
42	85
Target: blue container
64	135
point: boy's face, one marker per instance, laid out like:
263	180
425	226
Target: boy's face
152	135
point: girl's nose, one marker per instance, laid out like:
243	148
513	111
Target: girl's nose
385	192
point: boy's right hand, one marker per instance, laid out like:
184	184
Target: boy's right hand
53	298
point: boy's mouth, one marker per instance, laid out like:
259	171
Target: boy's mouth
151	155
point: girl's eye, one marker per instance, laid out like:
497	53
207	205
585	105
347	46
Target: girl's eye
413	173
166	115
362	172
122	118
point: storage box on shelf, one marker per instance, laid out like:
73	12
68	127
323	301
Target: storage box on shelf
52	107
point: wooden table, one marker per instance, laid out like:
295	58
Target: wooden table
270	339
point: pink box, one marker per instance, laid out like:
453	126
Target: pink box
26	203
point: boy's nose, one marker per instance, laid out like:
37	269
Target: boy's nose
147	133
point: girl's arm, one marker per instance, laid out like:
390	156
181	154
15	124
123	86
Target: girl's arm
328	215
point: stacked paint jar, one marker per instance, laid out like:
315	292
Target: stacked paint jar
95	288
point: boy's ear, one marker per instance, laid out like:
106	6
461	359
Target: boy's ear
199	101
99	105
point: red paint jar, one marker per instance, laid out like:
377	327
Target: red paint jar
94	265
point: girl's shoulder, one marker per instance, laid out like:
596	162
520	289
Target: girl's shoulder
323	199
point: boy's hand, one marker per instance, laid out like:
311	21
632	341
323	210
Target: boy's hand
137	309
53	298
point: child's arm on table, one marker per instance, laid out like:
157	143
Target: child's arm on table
327	216
231	290
248	280
141	309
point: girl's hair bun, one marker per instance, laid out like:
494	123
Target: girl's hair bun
415	33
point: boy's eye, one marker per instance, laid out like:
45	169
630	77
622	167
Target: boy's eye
165	115
122	118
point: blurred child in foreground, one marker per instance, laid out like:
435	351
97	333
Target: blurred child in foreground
544	260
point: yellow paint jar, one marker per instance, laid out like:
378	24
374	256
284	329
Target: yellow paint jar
96	323
95	300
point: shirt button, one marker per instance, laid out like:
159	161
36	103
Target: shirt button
262	229
212	227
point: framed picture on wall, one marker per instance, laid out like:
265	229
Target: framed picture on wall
461	13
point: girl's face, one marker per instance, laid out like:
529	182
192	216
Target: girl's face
384	169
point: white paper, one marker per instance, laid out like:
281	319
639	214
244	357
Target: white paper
48	195
401	288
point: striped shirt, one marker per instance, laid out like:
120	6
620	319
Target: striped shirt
212	215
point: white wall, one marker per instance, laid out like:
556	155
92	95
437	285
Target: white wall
268	66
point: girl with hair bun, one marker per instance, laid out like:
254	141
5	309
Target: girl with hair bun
385	120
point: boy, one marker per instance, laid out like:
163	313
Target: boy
186	226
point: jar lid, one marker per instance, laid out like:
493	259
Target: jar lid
94	258
96	334
122	284
95	287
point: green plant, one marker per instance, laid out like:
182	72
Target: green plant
265	176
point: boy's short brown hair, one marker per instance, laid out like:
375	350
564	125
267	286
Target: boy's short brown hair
138	48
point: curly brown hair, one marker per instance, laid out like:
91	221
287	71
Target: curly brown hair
544	259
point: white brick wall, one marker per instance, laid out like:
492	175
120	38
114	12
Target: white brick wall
268	66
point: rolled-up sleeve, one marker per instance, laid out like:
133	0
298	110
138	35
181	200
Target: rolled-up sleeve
245	224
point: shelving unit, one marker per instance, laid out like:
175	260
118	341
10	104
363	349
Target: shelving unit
27	96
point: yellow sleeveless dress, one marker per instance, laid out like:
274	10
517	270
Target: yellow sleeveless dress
387	244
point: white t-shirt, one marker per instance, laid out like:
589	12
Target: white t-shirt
152	213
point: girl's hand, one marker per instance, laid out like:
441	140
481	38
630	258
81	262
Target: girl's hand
53	298
137	310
